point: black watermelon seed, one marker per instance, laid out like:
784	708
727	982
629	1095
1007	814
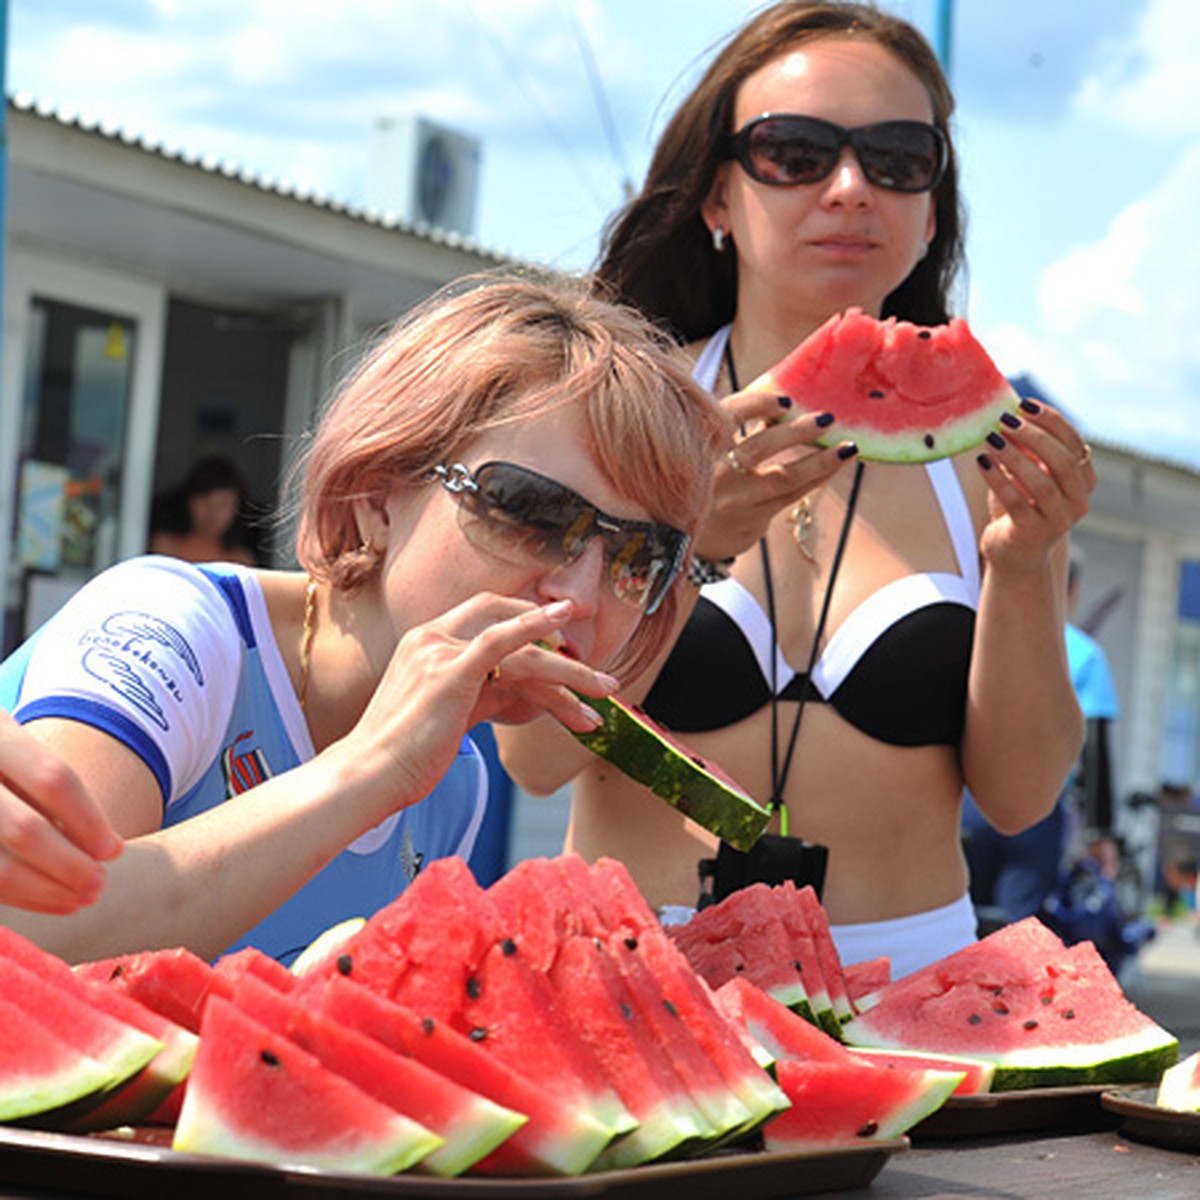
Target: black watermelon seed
929	440
508	946
631	943
427	1025
924	335
670	1007
799	967
473	988
974	1019
117	972
626	1011
345	964
740	967
1030	1024
1047	999
870	1129
477	1034
876	394
269	1057
1068	1014
1002	1009
997	988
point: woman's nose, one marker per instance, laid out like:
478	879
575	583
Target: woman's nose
581	580
847	184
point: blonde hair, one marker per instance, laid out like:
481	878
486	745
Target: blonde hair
493	350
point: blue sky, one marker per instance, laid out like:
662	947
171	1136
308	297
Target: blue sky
1078	127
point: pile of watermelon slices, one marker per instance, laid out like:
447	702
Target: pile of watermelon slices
543	1026
548	1025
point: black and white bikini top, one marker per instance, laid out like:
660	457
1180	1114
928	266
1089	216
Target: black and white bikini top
896	668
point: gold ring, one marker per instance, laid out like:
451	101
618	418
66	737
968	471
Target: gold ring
736	463
1086	456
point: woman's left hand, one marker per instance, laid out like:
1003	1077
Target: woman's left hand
1040	476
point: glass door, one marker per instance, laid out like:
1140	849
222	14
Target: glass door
74	413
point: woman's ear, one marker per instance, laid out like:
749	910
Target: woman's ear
714	208
371	517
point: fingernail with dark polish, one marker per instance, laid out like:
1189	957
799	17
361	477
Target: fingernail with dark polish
784	401
996	441
1011	420
825	420
984	462
849	450
1031	406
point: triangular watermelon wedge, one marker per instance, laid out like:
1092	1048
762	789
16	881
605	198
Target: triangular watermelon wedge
469	1125
244	1076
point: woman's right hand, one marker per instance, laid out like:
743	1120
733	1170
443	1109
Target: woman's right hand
53	836
767	468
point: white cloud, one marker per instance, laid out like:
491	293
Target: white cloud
1116	322
1150	83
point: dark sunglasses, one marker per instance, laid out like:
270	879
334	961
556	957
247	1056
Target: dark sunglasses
523	517
783	150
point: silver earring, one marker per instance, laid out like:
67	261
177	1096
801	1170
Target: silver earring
718	237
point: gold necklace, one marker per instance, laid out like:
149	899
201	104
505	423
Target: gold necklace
306	636
802	528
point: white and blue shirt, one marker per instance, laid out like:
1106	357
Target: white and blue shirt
180	664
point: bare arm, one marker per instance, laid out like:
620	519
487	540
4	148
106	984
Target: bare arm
1024	727
206	881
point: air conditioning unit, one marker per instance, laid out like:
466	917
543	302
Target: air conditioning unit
424	173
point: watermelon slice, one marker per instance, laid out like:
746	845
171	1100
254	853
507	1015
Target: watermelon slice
864	980
759	933
174	982
977	1073
469	1126
902	392
131	1102
781	1030
256	1095
605	897
1043	1013
249	960
835	1103
38	1070
1179	1087
558	1139
651	756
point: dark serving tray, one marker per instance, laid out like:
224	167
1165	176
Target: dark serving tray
1042	1110
140	1163
1140	1118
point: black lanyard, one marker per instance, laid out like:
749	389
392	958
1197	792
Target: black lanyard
779	773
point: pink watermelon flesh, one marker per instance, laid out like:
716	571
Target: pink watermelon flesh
174	982
618	1034
864	980
902	392
830	961
39	1071
783	1032
558	1139
469	1126
852	1102
251	961
1043	1013
256	1095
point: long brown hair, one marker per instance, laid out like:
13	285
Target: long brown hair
657	253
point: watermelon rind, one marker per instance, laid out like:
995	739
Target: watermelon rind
637	748
978	1073
1179	1087
38	1070
326	945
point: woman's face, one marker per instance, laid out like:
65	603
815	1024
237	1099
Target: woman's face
815	249
430	565
213	512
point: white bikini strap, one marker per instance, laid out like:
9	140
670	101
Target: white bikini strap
708	364
957	515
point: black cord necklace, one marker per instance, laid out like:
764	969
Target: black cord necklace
779	772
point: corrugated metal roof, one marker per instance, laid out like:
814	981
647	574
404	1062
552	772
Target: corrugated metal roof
210	165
